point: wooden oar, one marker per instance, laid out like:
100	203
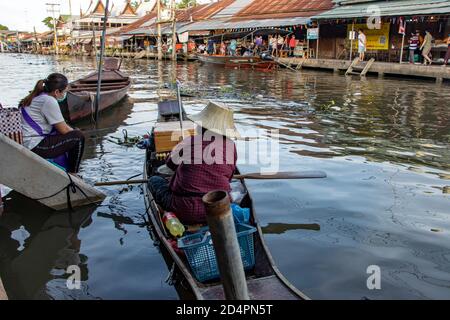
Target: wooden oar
254	176
283	175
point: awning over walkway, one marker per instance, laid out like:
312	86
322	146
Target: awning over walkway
218	24
387	8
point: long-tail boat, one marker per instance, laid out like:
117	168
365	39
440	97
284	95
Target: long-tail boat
240	62
80	102
264	281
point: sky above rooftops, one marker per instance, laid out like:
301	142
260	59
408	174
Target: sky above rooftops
23	15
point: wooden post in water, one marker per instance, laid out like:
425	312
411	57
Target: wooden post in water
174	31
100	62
224	237
351	41
403	43
158	27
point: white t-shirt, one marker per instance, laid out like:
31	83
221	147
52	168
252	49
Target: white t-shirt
362	40
45	111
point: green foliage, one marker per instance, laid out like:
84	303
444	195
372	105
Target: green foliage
2	27
135	4
48	22
186	4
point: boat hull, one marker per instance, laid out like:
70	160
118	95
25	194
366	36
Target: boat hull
36	178
237	62
80	103
265	282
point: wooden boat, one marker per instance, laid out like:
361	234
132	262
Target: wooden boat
81	96
36	178
265	282
241	62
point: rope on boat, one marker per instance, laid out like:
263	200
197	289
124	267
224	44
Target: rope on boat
92	98
71	187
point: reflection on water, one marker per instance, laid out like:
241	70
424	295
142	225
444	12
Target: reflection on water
280	228
37	249
383	142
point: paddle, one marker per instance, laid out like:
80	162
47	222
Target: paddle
254	176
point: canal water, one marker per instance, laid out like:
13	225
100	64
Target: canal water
384	144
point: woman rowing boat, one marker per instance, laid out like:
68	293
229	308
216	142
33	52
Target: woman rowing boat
201	163
46	133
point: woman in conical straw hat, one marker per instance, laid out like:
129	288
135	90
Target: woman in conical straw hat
202	163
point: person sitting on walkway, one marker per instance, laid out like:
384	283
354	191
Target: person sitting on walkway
45	131
202	163
362	44
426	47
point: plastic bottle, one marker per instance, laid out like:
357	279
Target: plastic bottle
172	224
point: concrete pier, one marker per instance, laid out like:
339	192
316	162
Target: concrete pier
438	73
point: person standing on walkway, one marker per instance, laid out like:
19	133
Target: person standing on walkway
274	43
362	44
210	47
413	45
280	44
426	47
447	55
258	44
223	49
233	46
292	45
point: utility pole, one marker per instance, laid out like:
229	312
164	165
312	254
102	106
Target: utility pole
18	41
100	62
174	32
158	24
36	39
71	18
51	9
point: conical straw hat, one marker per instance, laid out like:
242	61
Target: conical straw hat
218	118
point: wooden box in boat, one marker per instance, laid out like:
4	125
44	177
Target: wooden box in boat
168	134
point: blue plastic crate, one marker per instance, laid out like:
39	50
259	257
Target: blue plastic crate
201	256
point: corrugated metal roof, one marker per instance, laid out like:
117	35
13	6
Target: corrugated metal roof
388	8
245	24
188	14
212	9
232	8
142	22
98	19
151	31
267	9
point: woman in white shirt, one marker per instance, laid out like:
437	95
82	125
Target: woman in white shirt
45	131
362	44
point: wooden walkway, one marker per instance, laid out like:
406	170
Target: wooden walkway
438	73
